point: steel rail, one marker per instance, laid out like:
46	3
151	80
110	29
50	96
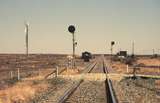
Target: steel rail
71	90
111	96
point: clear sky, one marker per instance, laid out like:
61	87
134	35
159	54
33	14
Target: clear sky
97	23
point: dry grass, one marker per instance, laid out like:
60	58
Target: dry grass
22	92
32	72
119	67
70	72
25	90
148	61
149	71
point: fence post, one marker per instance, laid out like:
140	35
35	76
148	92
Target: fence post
159	69
56	71
11	74
127	68
18	72
67	68
39	72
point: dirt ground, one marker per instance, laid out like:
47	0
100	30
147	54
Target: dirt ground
119	67
33	70
149	61
35	88
135	91
139	90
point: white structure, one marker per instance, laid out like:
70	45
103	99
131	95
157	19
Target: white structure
26	32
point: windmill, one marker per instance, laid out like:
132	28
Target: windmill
26	33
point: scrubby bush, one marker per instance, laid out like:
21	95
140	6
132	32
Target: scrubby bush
130	60
12	81
116	58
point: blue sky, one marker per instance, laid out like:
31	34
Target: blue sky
97	23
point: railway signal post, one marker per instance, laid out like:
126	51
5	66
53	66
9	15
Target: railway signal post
71	29
112	43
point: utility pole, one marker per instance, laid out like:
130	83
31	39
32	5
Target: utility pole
71	29
18	74
132	48
153	52
26	31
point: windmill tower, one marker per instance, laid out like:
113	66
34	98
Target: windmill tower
26	33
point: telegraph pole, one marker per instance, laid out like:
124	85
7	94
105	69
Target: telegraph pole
26	31
153	52
133	49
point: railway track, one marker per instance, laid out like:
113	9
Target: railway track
111	97
62	70
52	94
92	91
76	85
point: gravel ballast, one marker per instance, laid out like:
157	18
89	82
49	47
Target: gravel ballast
138	90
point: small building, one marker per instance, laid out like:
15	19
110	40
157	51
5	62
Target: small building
122	53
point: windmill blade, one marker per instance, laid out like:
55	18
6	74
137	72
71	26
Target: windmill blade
26	27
